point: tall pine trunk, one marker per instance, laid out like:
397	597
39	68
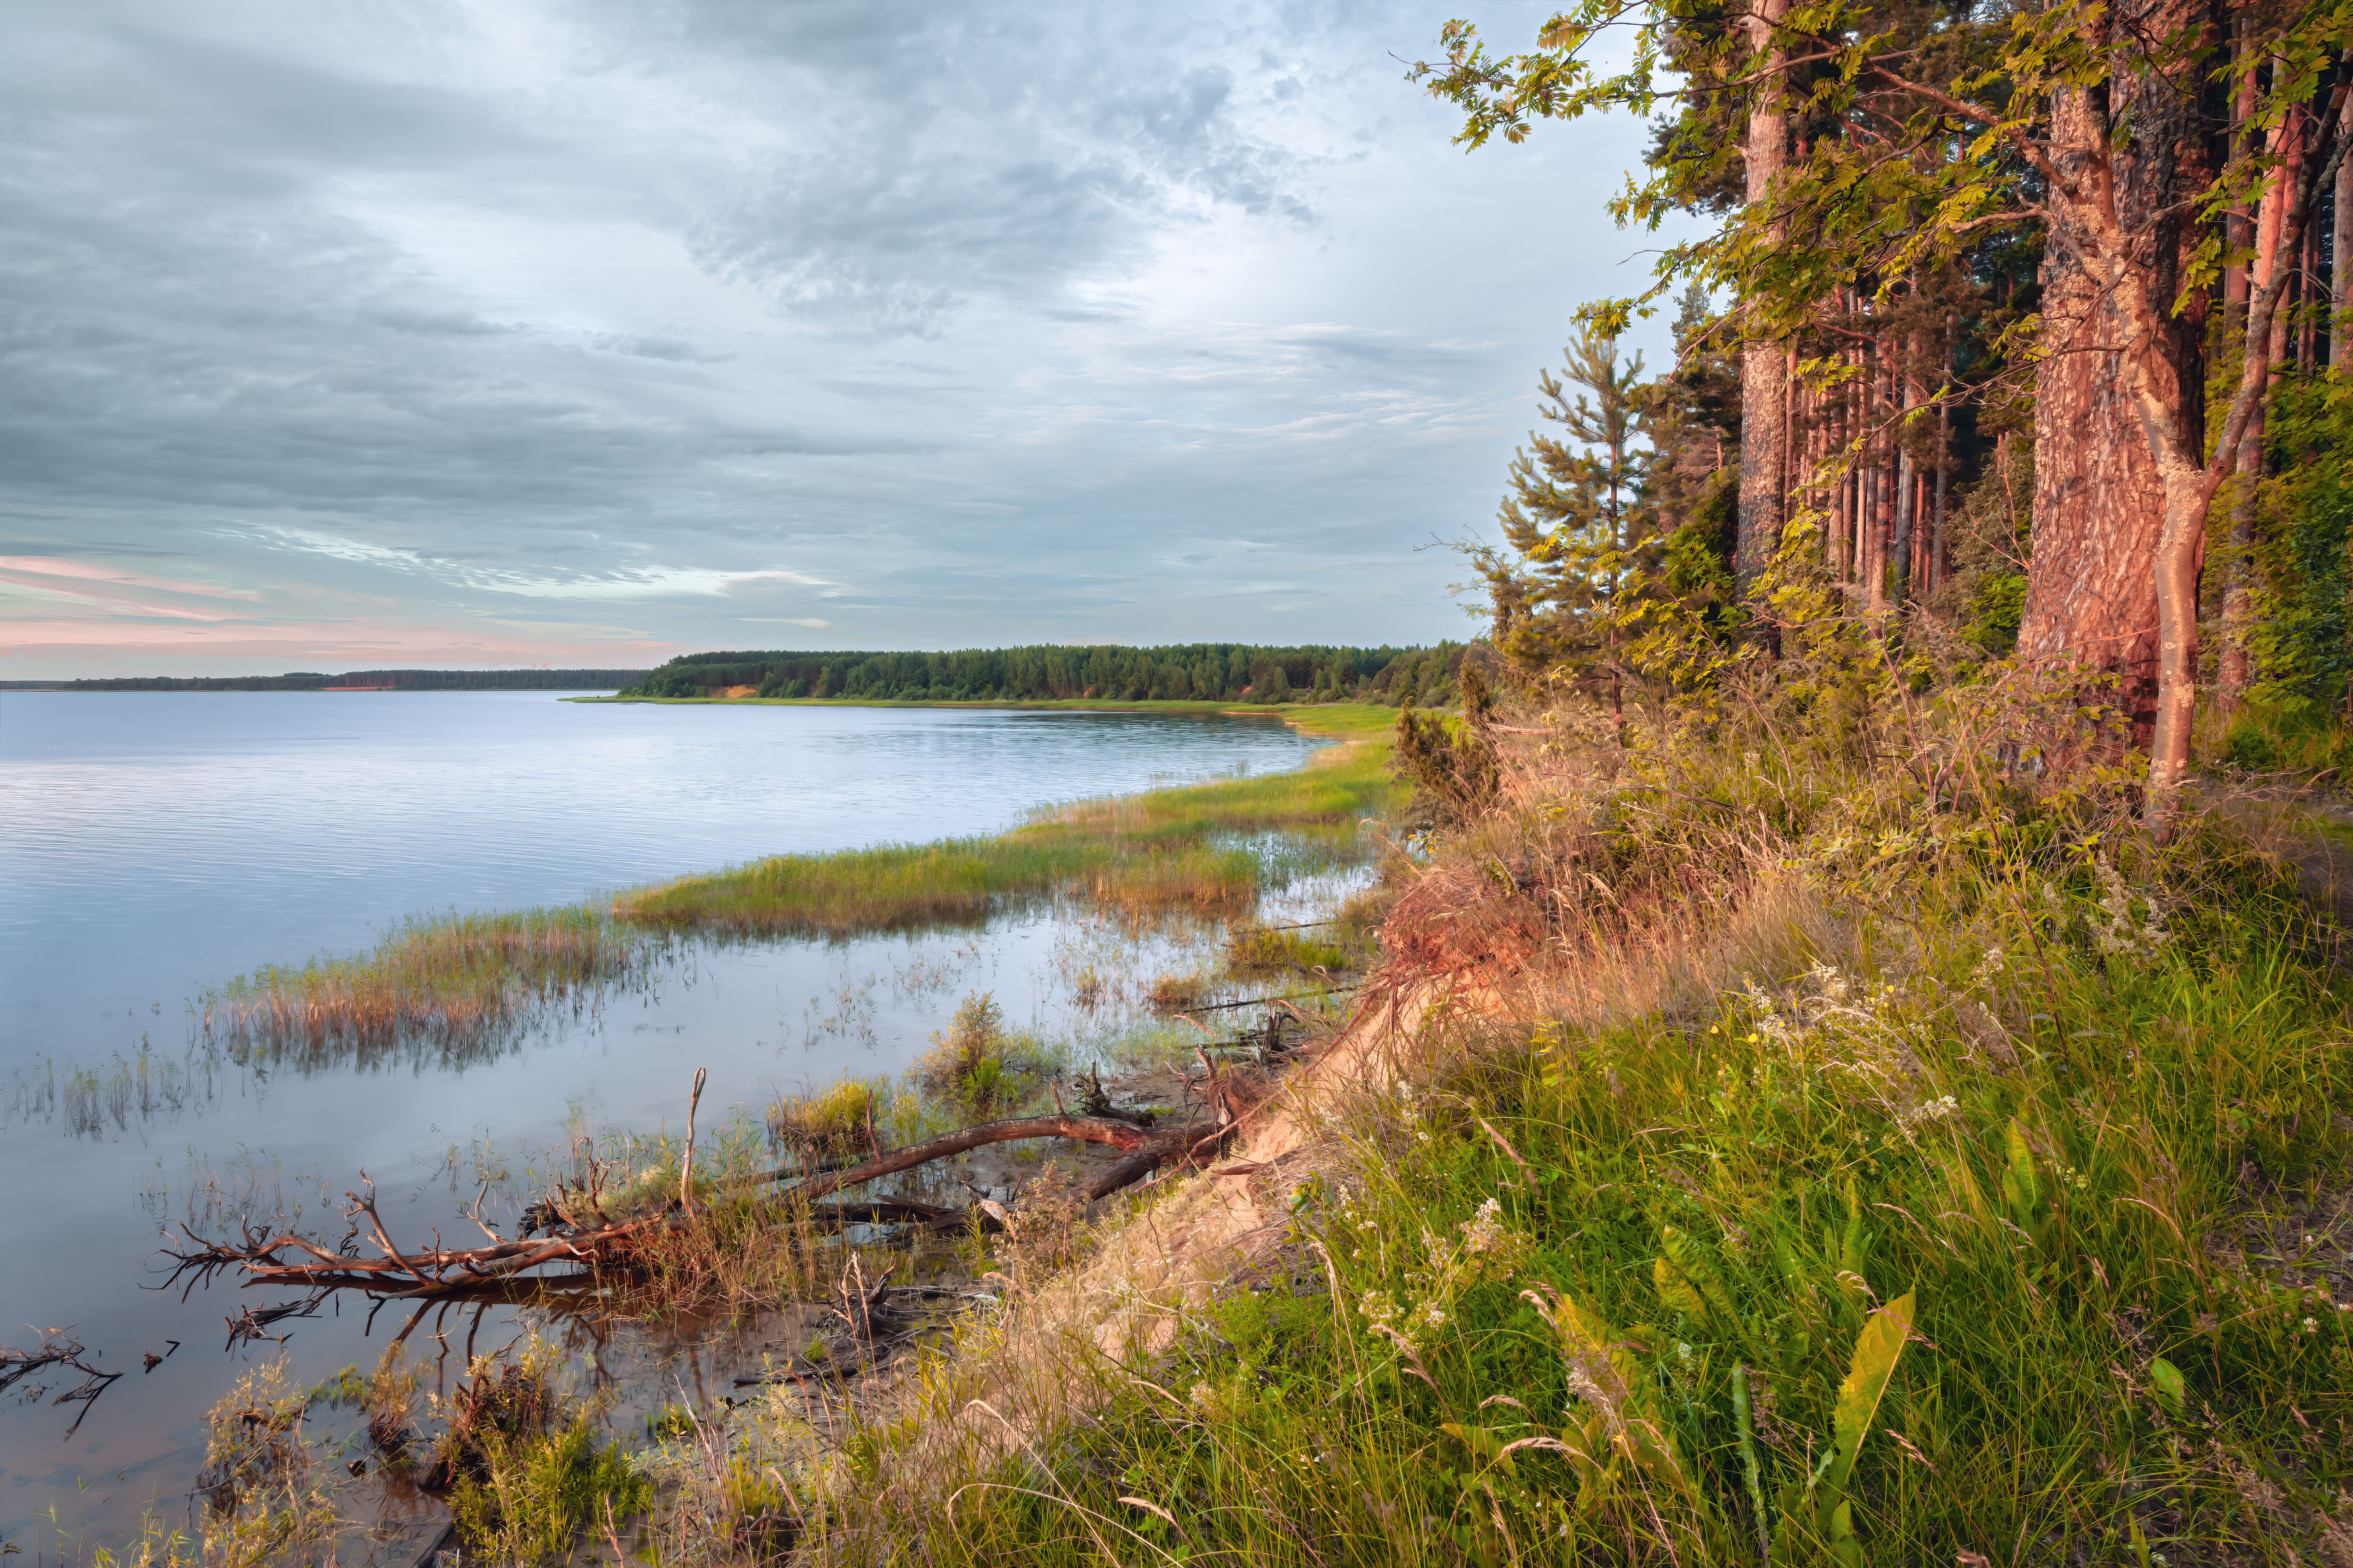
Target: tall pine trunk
2233	668
2116	406
1764	382
2340	252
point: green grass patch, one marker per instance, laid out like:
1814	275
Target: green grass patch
1175	849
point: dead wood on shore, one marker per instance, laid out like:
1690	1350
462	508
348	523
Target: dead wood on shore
498	1269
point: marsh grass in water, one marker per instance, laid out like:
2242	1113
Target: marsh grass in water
461	983
465	985
139	1089
1206	849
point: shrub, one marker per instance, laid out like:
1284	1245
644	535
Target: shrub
830	1123
979	1065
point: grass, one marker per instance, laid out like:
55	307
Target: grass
2291	736
1181	849
463	983
466	985
1822	1160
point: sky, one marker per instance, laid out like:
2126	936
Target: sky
515	333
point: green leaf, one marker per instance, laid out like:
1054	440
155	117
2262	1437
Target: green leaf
2018	1188
1876	1350
1854	1246
1676	1292
2167	1379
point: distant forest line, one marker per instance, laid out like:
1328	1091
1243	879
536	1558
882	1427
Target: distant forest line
1215	672
399	680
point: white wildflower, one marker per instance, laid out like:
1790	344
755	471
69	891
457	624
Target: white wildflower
1483	1232
1932	1110
2119	934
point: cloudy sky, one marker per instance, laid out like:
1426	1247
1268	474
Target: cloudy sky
526	332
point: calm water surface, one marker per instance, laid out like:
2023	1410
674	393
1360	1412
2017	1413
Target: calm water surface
152	845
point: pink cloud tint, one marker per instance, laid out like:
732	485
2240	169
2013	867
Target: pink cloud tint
50	566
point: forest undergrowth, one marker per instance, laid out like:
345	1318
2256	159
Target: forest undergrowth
1832	1132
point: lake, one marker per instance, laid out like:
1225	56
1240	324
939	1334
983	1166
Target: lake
153	845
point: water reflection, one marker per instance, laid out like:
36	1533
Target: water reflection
147	1134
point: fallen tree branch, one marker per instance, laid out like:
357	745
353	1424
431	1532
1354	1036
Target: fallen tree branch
461	1273
1120	1135
58	1348
1262	1001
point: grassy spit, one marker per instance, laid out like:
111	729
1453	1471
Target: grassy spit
1178	849
1806	1158
465	983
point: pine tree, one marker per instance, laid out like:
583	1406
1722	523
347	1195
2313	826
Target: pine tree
1576	522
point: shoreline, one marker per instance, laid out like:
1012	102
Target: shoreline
1357	721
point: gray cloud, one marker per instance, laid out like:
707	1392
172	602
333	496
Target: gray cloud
1049	322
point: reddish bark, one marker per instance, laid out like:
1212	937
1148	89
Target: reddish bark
1764	381
2232	667
2341	252
2116	395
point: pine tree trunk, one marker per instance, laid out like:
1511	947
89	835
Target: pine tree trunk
1764	434
2114	402
2233	666
1939	567
1907	486
2340	250
2238	229
2307	273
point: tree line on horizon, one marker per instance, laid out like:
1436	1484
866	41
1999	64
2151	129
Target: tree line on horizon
1216	672
1989	274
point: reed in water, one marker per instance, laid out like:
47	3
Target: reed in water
457	980
1179	850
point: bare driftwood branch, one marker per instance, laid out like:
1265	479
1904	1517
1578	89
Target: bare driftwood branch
441	1273
58	1348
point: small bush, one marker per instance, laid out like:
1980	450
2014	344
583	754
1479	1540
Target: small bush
979	1064
1174	993
266	1498
525	1472
1255	949
830	1123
